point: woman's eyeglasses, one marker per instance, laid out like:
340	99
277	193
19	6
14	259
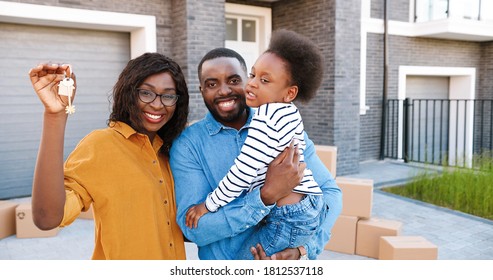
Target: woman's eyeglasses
148	96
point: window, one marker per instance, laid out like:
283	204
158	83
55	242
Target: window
478	9
245	31
486	10
471	9
427	10
232	29
248	28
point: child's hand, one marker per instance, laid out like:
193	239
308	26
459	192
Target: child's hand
194	213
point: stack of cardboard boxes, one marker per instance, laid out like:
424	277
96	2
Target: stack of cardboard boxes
17	218
357	232
25	227
7	218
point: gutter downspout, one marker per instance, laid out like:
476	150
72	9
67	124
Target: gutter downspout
385	81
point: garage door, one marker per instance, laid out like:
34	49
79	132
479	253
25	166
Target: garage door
97	58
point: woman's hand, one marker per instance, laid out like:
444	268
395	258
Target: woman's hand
45	79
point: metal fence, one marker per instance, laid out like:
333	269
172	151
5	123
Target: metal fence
439	131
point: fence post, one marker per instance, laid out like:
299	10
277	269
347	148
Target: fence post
407	119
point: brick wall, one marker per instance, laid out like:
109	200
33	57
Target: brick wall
347	82
332	117
397	9
371	121
304	19
483	125
486	71
198	28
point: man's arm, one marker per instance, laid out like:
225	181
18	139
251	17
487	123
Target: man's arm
192	186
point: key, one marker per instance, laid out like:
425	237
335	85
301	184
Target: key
66	88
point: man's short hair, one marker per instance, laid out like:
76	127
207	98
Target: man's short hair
221	52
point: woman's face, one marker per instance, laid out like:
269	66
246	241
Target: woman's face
155	115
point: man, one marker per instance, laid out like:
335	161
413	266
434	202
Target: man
205	151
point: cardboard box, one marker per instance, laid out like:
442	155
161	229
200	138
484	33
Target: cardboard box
328	155
88	215
357	196
406	248
343	238
7	218
368	235
25	225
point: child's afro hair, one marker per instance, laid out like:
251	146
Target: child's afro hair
304	61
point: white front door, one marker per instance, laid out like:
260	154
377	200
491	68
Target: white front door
242	36
248	30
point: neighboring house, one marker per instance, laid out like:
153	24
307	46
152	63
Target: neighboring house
440	54
445	45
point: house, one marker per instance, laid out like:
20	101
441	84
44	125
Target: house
446	45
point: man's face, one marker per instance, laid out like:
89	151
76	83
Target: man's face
222	86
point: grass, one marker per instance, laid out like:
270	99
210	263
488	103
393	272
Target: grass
465	190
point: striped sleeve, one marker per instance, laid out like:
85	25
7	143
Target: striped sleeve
286	121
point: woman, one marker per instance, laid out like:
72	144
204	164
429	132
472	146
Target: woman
121	170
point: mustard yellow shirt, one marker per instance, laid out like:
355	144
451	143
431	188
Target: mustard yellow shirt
131	188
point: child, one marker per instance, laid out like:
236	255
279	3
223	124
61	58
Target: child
291	68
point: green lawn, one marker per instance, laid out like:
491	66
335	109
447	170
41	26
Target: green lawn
466	190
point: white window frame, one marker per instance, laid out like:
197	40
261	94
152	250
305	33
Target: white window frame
142	28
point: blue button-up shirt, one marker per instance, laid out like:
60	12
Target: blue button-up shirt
200	157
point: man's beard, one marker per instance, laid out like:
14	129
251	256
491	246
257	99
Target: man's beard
230	117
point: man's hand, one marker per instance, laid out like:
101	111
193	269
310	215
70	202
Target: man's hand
284	174
286	254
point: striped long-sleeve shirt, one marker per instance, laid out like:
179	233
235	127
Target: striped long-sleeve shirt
272	129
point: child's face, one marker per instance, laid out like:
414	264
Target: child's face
269	81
